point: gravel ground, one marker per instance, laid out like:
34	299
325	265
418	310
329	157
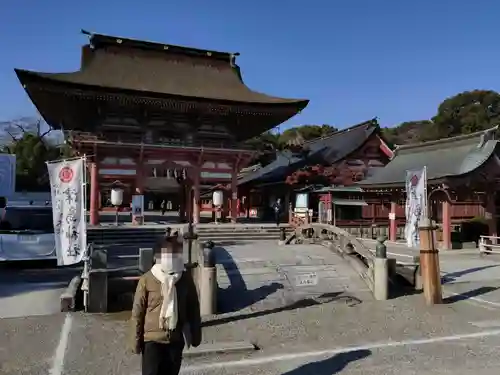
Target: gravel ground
97	343
328	328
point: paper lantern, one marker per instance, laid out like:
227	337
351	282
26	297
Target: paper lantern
116	196
218	198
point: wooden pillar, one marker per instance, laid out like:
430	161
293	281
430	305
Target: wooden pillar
139	178
234	194
196	194
490	214
182	202
393	227
139	190
429	265
188	201
247	204
446	224
94	194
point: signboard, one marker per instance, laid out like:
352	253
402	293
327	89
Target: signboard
67	187
302	200
307	279
7	175
137	208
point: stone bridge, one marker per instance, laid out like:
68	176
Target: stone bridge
270	276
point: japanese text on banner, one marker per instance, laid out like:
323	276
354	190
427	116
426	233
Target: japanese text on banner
68	209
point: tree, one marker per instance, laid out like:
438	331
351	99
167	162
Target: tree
266	144
29	140
409	132
464	113
467	112
297	135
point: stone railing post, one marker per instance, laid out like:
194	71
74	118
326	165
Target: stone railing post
98	282
381	271
208	281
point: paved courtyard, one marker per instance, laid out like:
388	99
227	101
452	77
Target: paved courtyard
305	309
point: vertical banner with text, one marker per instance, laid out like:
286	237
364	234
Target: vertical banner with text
67	182
416	204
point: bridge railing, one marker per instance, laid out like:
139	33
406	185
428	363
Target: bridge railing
372	268
489	245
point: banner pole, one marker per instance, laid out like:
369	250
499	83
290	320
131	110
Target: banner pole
426	200
84	203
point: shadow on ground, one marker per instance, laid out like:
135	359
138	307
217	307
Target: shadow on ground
470	294
21	277
303	303
452	276
330	366
237	296
15	289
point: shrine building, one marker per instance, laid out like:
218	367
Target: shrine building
146	113
340	159
462	174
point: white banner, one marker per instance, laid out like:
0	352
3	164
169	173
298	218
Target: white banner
416	204
67	183
7	175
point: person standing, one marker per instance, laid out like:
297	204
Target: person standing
277	211
163	207
165	312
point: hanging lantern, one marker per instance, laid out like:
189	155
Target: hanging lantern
116	196
218	198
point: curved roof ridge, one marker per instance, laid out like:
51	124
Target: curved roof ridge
97	40
373	121
458	138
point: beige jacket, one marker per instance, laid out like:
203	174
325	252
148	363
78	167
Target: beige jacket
146	312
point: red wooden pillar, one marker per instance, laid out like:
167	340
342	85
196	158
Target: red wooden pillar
234	195
139	190
94	194
247	203
490	215
196	194
393	227
446	218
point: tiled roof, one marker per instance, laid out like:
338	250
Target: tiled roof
146	67
325	150
444	158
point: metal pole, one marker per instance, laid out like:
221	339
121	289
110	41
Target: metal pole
190	226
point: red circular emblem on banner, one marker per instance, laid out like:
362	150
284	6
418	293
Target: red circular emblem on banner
414	180
66	174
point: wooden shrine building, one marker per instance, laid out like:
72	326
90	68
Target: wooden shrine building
340	159
145	111
463	174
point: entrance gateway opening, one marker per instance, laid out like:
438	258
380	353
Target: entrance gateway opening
138	109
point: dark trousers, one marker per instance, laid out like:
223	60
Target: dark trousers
277	218
161	359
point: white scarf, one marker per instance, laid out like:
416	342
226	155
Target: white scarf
169	310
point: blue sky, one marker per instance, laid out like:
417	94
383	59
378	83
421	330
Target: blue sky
354	60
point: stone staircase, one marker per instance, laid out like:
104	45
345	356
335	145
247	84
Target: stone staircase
224	234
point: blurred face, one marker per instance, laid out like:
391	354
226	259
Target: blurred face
170	257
